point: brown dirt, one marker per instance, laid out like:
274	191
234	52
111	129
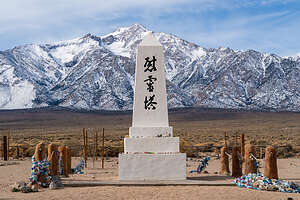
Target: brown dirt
288	170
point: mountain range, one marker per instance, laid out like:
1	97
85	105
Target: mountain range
97	73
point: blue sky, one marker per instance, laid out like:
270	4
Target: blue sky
271	26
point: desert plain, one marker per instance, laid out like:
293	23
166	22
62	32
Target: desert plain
201	133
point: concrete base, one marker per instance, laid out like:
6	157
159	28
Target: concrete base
155	144
151	131
152	166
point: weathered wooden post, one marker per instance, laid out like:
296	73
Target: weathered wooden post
261	153
4	147
236	167
270	168
96	145
102	152
69	159
63	153
39	155
54	162
250	166
18	152
225	139
224	161
243	146
94	149
84	147
8	138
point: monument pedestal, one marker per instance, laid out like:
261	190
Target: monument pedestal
152	166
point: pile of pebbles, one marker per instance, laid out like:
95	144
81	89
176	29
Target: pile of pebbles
260	182
23	187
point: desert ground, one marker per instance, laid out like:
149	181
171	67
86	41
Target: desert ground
20	171
201	132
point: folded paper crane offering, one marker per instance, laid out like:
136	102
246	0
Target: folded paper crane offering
202	165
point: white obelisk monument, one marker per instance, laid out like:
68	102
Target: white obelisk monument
151	152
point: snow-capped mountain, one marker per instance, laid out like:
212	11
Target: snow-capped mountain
97	72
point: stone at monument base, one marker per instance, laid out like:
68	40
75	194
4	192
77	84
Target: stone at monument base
152	166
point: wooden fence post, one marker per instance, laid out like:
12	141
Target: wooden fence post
84	147
243	146
102	152
270	168
18	152
54	162
249	160
63	153
8	137
225	140
4	148
94	148
69	160
96	145
236	167
224	161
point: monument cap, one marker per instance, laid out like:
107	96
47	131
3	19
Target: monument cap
149	40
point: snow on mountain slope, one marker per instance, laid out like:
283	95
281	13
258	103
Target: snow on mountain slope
94	72
65	51
15	93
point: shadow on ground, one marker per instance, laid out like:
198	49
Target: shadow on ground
211	178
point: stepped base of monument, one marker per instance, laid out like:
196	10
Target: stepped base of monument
151	131
152	166
154	144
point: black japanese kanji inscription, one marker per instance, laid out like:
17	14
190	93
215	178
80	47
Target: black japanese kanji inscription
150	103
150	64
150	82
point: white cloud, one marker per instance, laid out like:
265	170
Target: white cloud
210	23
